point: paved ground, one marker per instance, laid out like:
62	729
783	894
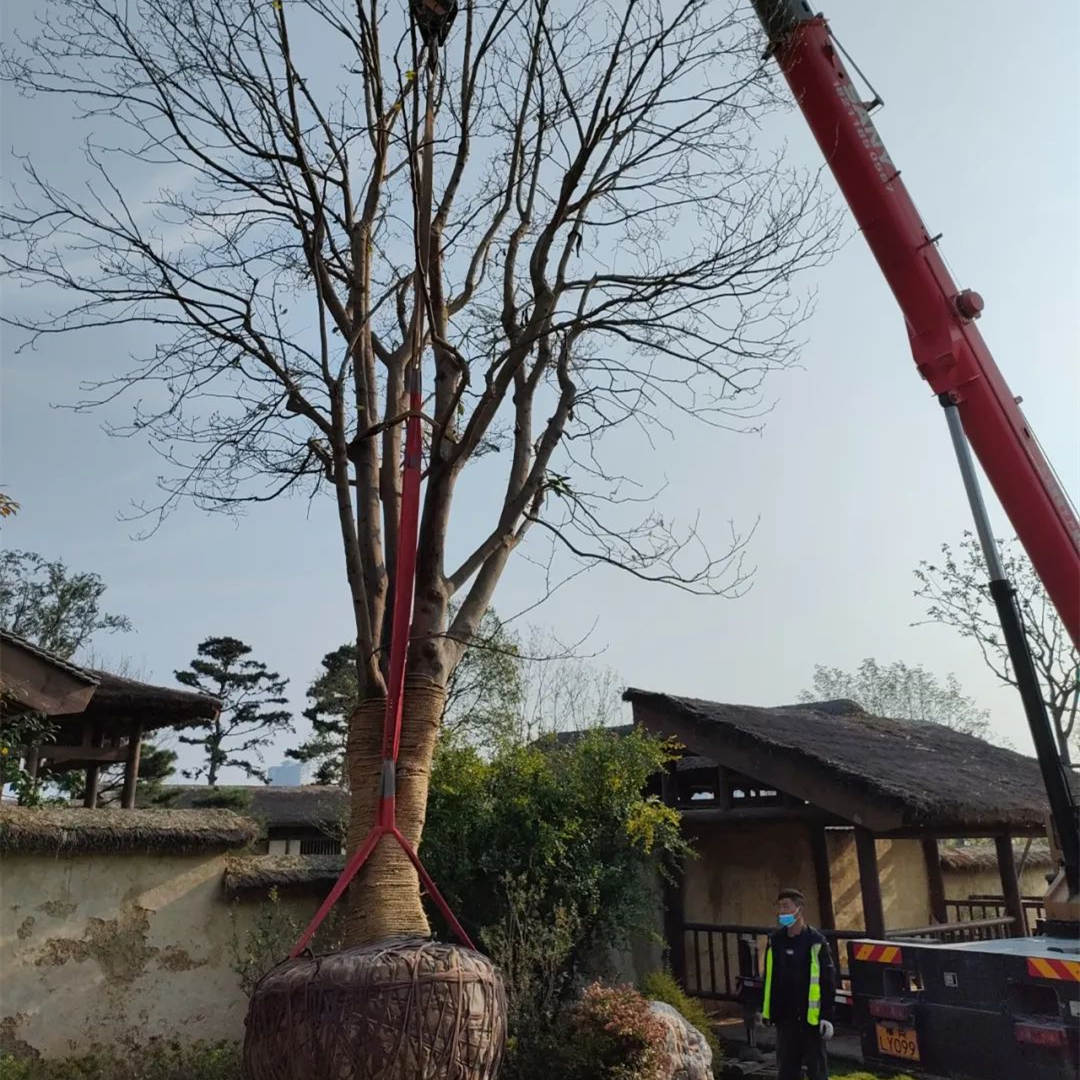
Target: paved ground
844	1049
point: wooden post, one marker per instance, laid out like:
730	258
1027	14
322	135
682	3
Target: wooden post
93	771
674	900
819	849
131	767
723	788
33	762
870	883
1010	884
934	879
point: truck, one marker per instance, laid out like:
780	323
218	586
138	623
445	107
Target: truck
987	1010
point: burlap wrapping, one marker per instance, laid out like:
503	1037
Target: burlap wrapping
384	898
404	1010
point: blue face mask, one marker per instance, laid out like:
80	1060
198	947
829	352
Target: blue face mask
788	920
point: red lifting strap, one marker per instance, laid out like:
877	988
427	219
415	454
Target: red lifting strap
404	586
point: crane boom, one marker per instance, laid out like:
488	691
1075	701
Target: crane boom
953	358
949	351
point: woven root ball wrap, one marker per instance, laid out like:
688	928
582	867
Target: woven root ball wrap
399	1010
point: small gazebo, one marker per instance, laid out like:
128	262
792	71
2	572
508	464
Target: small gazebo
100	718
814	793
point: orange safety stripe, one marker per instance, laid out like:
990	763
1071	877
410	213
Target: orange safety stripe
1043	967
879	954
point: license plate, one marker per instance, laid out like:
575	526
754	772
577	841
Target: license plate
898	1042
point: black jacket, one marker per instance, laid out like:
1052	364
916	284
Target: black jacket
791	975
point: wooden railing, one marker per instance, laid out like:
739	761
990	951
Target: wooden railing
954	932
979	907
721	958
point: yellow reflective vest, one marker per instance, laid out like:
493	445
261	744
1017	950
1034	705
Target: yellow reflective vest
813	998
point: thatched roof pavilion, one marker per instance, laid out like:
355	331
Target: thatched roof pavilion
831	765
101	718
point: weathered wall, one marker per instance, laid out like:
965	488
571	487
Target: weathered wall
739	870
119	949
905	891
960	884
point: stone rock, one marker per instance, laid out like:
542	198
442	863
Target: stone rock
750	1053
688	1054
732	1071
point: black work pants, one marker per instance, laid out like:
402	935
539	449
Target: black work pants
799	1044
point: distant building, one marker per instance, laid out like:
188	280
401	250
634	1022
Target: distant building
295	820
287	774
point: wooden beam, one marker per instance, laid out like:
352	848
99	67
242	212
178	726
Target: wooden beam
705	813
83	755
131	767
819	849
1010	884
870	883
784	770
935	880
41	684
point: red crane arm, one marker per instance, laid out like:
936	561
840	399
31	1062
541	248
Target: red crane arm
949	351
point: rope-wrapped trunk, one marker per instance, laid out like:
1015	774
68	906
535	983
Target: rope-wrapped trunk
384	898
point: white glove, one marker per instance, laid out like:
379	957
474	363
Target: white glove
826	1030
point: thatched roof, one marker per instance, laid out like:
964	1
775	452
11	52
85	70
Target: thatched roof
974	857
121	699
30	676
305	806
893	776
261	873
75	831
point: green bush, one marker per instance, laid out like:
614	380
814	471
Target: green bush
567	824
548	852
614	1036
661	986
161	1061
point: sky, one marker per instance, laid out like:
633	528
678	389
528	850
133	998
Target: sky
850	485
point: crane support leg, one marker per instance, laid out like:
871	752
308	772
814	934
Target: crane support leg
1062	803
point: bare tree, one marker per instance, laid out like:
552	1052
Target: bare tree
957	594
562	215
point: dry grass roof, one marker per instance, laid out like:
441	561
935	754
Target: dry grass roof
123	699
890	775
76	831
305	806
974	857
260	873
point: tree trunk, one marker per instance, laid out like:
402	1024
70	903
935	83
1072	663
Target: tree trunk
384	898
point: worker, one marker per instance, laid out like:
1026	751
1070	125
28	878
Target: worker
800	987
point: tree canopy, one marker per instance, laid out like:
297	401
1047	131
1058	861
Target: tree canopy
901	692
249	719
956	591
52	606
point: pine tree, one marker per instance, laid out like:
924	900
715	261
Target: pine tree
248	720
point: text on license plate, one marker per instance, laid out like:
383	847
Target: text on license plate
898	1042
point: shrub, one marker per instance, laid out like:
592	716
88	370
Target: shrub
615	1036
566	824
267	942
661	986
160	1061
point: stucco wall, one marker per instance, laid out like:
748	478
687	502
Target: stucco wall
960	884
739	869
905	891
119	949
